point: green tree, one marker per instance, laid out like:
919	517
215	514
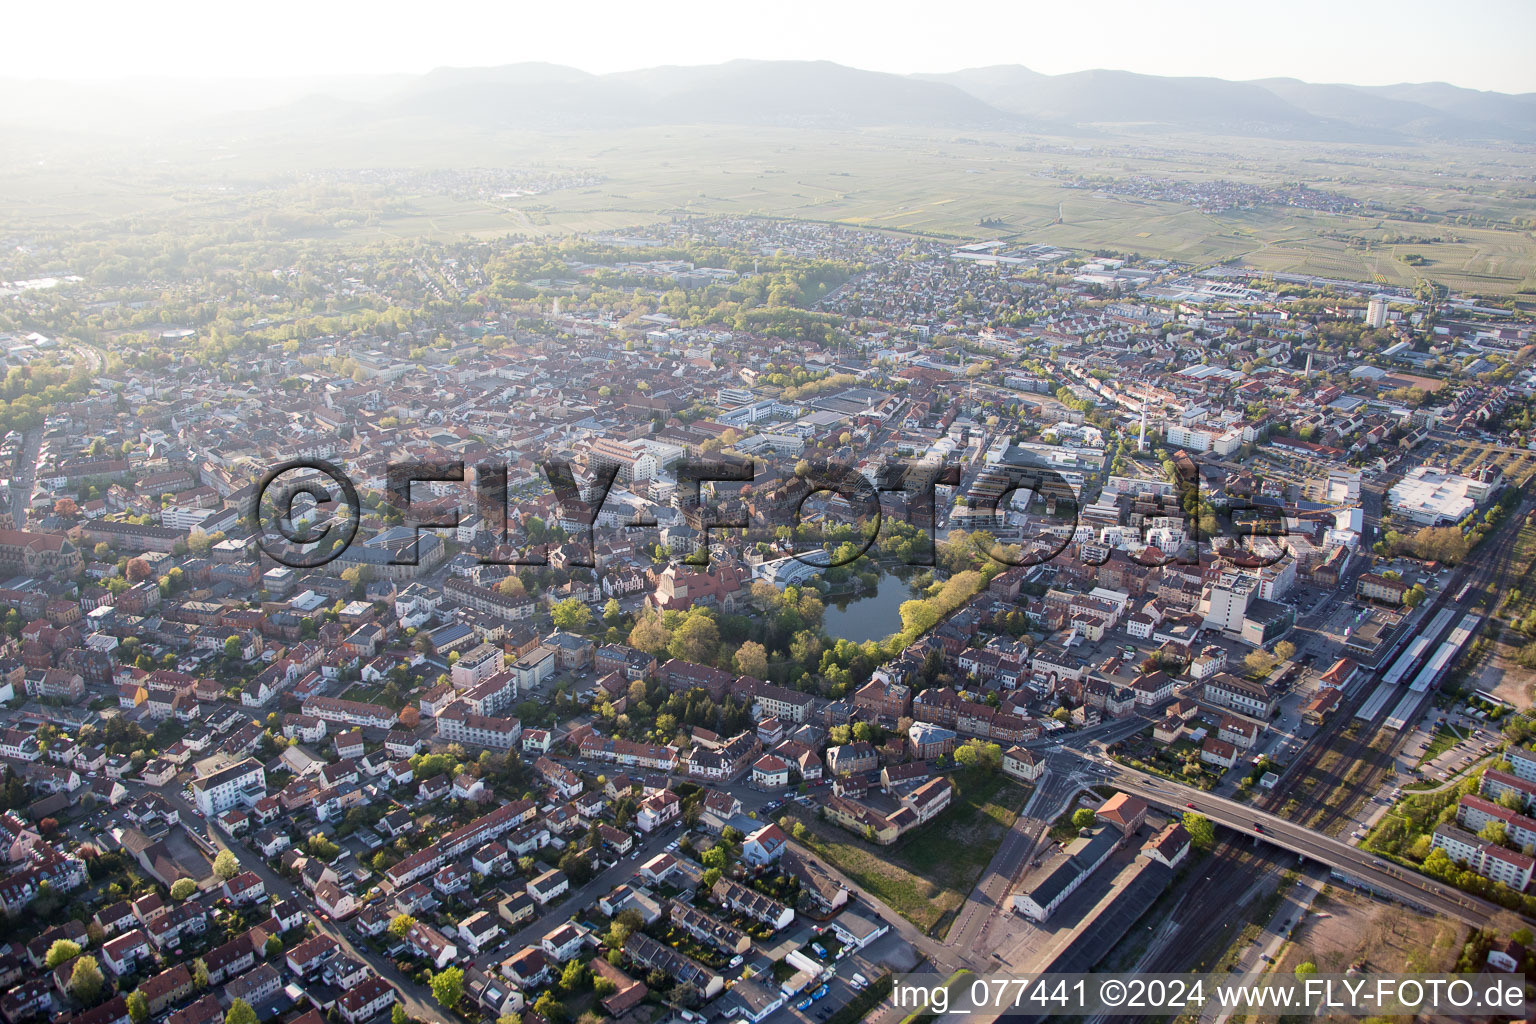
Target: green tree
1306	969
274	947
752	659
319	846
573	977
400	924
240	1012
548	1007
182	888
199	974
650	635
1083	818
60	952
85	981
138	1007
572	613
448	987
696	640
225	865
1202	834
397	1015
1494	831
1260	663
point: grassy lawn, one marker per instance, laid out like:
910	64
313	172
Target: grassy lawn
368	693
1403	832
927	875
1062	830
1445	737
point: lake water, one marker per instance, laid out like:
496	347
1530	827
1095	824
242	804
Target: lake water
873	615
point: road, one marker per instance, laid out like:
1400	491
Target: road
1066	776
24	473
552	916
1230	875
1381	876
938	953
417	999
1255	962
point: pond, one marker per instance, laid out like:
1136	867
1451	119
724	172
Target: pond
873	615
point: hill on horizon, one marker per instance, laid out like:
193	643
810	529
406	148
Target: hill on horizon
786	93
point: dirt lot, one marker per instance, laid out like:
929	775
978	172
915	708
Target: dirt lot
1384	938
1506	680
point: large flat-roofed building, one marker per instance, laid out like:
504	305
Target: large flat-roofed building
1266	622
1233	605
1225	602
1371	637
1432	496
476	665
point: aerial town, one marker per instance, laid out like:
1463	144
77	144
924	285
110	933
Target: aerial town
1028	589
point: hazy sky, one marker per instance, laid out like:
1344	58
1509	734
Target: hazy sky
1482	44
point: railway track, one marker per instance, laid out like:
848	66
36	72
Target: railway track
1373	745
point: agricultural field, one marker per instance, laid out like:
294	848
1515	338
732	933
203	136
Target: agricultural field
1425	217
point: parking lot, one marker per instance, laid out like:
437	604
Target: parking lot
1443	745
1446	743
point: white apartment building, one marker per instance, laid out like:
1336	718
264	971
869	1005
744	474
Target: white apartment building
216	793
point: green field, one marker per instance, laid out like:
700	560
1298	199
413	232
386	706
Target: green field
928	874
939	187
